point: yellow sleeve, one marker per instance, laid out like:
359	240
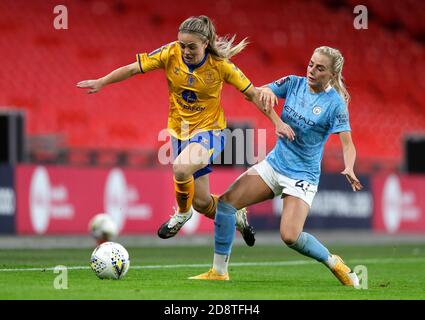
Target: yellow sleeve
234	76
154	60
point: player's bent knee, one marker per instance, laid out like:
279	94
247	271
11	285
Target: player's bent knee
229	199
201	205
289	237
181	171
224	197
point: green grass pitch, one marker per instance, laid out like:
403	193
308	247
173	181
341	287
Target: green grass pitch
264	272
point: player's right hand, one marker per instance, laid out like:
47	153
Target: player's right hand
93	85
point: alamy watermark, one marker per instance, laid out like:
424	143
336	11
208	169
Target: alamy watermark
61	281
362	275
61	20
361	20
242	147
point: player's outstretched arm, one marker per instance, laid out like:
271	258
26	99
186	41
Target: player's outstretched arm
266	105
349	152
117	75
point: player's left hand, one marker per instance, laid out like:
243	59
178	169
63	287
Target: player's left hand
352	179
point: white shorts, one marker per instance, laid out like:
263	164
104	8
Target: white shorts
284	185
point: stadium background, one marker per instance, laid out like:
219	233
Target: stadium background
67	156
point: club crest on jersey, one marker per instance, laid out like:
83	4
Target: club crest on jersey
281	81
209	77
317	110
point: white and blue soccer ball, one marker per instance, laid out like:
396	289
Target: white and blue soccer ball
103	228
110	260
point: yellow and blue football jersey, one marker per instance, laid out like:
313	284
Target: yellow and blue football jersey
194	91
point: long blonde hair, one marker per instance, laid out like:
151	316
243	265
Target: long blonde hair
221	47
337	62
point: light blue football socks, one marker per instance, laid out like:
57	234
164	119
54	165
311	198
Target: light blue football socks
225	226
309	246
224	234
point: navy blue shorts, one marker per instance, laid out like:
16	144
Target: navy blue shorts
212	140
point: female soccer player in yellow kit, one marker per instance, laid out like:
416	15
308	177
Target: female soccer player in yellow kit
196	66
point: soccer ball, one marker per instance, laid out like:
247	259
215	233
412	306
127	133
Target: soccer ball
103	228
110	260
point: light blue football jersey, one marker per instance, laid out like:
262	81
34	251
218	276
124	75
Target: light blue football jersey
313	117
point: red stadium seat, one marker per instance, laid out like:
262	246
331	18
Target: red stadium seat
43	66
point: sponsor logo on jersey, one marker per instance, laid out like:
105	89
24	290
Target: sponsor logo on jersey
297	117
342	118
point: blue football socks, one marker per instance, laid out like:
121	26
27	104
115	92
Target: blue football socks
225	226
309	246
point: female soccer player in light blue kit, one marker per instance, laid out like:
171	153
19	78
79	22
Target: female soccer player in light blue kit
315	106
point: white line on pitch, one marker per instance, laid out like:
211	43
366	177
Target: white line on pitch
237	264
